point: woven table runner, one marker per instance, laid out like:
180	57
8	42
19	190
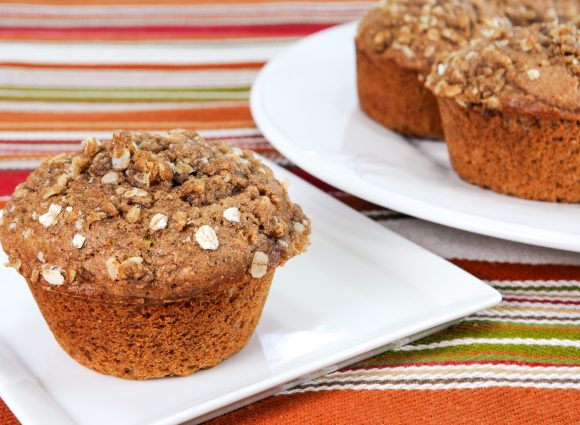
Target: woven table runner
69	70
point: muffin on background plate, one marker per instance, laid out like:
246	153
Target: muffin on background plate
152	255
511	111
396	45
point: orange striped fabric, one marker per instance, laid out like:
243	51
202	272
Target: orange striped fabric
191	64
178	20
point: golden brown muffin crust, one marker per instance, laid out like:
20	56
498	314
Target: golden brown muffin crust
534	69
414	32
400	102
150	218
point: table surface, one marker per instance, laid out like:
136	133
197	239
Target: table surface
73	69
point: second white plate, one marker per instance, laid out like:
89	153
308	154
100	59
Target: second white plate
305	103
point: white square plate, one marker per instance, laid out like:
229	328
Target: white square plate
358	289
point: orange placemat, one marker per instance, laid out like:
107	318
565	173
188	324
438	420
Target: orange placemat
518	362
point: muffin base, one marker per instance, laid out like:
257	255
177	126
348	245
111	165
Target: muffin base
136	341
514	153
394	97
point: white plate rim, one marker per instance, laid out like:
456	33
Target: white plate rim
329	173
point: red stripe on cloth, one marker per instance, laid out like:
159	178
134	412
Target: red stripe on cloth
10	179
512	271
151	32
146	67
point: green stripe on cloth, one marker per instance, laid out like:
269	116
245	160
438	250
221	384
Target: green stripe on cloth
480	353
123	94
476	330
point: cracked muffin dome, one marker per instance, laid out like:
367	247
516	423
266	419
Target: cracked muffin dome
150	217
528	12
414	32
396	44
511	111
151	255
533	69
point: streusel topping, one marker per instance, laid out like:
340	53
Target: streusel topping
150	217
528	67
415	32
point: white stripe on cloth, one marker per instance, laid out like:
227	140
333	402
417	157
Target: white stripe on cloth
451	374
553	342
200	11
172	52
80	135
542	295
547	306
20	164
48	147
122	95
429	386
525	313
176	20
86	79
453	243
42	106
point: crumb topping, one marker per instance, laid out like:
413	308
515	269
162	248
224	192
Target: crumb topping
535	66
527	12
151	217
415	32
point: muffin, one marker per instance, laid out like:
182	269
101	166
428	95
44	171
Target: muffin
396	45
511	112
151	255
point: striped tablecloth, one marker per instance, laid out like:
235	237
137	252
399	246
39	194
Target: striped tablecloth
70	70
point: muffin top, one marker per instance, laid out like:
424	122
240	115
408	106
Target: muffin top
149	218
527	12
414	32
533	69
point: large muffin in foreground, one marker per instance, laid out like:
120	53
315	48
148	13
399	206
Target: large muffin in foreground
152	255
396	45
511	112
